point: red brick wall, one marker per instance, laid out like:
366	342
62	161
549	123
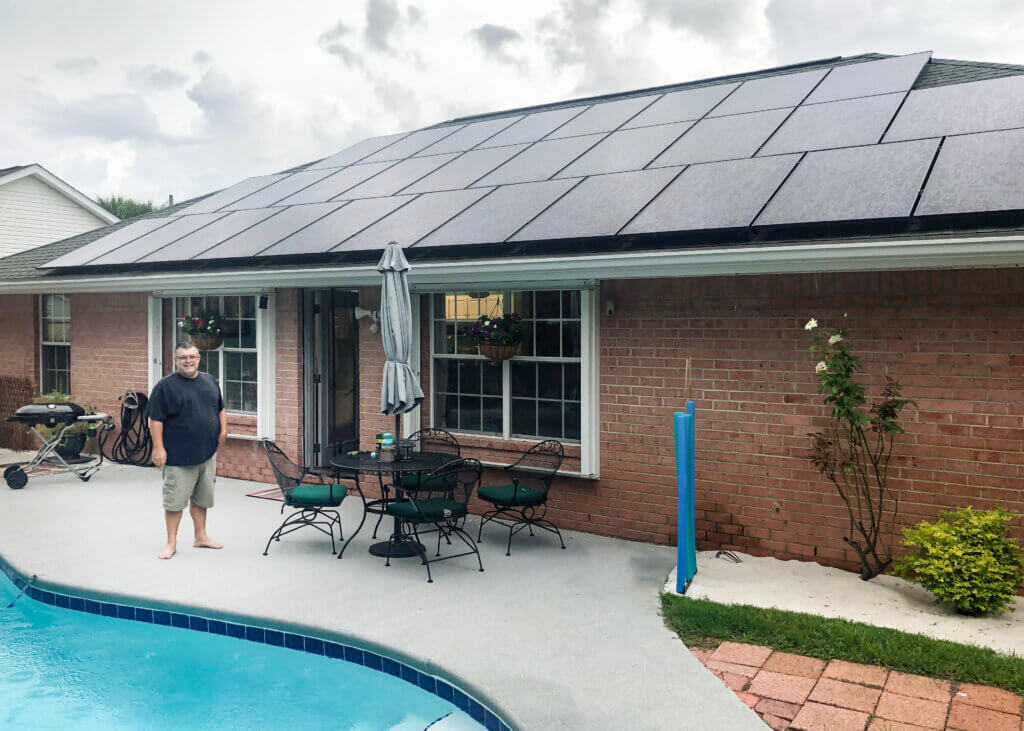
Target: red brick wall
955	340
19	351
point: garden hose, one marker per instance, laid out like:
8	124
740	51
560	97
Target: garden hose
133	445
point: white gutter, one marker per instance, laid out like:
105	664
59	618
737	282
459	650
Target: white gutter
873	255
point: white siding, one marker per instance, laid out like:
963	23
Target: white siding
32	213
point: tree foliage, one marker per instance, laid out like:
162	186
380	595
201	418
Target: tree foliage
124	207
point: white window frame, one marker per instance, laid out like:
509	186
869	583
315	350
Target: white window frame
589	388
266	355
51	343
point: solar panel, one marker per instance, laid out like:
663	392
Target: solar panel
414	220
397	177
281	189
265	234
199	241
540	161
772	92
111	241
412	143
532	127
714	195
878	181
602	117
181	226
336	184
498	215
628	149
977	172
599	206
469	136
332	229
681	106
356	152
722	138
834	124
870	77
464	169
978	106
231	194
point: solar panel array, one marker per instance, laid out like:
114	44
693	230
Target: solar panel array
847	142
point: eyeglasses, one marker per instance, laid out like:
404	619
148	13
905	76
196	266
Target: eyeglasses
186	357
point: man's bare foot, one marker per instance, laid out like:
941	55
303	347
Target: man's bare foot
206	542
169	550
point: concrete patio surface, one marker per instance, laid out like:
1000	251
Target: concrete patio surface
551	639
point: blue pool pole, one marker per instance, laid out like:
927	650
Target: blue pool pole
683	424
691	409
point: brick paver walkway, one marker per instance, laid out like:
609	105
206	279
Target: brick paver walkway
798	693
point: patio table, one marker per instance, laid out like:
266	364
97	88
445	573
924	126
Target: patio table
402	546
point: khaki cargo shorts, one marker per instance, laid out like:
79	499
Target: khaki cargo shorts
194	483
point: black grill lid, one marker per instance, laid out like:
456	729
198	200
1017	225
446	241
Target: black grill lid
47	414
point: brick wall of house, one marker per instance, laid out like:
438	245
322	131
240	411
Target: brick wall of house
19	354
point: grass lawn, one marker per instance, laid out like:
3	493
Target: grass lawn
702	623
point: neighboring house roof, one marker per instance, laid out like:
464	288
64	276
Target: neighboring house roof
37	207
864	146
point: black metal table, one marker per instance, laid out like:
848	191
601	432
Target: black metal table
402	546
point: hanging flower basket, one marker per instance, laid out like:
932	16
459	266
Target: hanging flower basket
205	341
498	353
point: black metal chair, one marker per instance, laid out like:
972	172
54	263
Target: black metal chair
315	503
426	440
524	502
441	501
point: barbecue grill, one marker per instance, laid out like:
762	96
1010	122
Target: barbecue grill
61	418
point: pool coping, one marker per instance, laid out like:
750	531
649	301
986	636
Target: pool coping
262	631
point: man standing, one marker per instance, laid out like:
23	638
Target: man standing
188	424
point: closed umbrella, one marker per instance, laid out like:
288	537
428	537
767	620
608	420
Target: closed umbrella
400	390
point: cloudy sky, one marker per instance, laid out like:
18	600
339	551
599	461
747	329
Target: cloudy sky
148	99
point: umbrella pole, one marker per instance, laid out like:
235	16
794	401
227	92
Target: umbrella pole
398	427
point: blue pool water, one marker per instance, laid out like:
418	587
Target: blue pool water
64	669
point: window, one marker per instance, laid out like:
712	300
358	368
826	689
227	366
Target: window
235	364
55	343
537	394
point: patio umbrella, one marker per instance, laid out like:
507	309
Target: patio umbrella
400	390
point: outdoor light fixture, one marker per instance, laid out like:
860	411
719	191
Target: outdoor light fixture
362	312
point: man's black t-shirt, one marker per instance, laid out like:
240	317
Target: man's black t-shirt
190	411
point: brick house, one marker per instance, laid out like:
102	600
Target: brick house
705	221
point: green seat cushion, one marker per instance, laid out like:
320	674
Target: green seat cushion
428	511
510	494
317	496
438	482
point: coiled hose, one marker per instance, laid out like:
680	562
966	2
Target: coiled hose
133	444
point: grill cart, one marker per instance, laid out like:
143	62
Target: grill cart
61	418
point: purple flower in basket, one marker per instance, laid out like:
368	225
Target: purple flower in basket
505	330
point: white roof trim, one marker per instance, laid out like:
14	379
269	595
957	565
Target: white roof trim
63	188
951	252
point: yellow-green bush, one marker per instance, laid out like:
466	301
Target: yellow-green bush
965	559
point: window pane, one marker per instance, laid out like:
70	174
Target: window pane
524	416
572	381
231	336
249	372
463	345
572	421
446	376
522	304
249	397
526	348
548	339
549	380
571	340
444	338
451	411
439	307
469	377
492	415
492	379
231	307
571	304
247	334
233	366
469	412
233	396
549	419
549	304
249	307
209	362
524	378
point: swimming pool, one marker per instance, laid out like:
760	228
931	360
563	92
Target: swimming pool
61	668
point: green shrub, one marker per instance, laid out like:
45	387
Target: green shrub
965	559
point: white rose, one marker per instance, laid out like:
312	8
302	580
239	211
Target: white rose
835	339
811	324
822	366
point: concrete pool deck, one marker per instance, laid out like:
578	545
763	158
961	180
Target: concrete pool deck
551	639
